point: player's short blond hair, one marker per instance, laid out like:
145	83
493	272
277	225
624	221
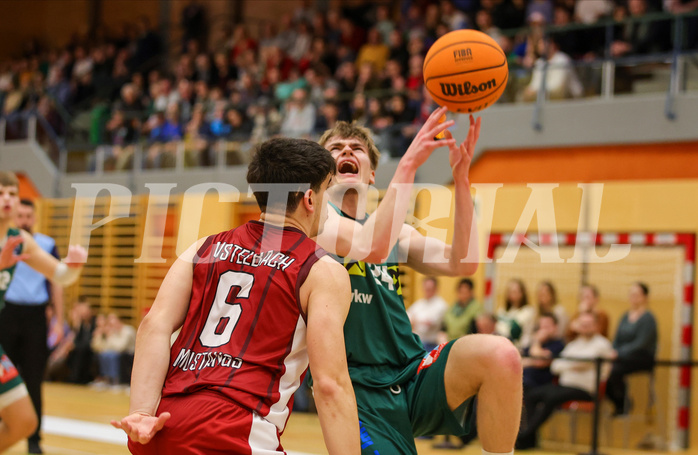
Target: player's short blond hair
346	130
8	179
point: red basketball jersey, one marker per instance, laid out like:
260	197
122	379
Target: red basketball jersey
244	333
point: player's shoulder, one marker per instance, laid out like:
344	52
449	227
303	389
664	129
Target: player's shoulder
327	271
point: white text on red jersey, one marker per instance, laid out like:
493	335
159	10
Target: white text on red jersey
240	255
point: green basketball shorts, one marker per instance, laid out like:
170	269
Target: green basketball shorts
390	418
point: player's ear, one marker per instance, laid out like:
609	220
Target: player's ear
372	177
309	200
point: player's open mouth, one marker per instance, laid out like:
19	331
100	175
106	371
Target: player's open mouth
348	167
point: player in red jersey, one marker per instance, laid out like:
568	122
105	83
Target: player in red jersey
258	304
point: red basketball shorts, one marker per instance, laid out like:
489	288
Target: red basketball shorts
208	423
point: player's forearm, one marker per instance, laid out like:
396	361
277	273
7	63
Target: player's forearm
149	367
380	232
336	408
464	252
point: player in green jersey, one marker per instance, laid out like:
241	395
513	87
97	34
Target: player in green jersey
17	416
401	390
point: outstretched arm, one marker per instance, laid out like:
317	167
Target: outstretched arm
63	272
328	298
434	257
373	241
152	355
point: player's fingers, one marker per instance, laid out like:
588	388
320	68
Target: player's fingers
162	418
433	145
116	424
439	128
478	122
436	115
22	257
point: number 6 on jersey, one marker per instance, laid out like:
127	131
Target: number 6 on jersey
225	311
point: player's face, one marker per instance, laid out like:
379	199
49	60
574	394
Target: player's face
9	200
353	160
25	217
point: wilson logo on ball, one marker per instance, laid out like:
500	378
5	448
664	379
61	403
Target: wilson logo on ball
461	55
466	88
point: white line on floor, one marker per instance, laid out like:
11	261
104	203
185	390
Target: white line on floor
80	429
100	432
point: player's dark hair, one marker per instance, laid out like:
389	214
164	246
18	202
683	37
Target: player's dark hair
27	202
643	287
466	282
289	161
524	296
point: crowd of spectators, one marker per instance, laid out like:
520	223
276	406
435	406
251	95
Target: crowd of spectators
93	349
300	74
557	350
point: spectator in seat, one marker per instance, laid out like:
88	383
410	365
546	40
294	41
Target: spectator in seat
517	319
163	136
122	137
398	48
375	52
80	359
483	19
130	103
546	345
635	346
427	313
459	320
299	115
486	324
58	345
561	81
111	341
240	125
454	18
383	23
588	303
196	138
640	37
547	303
577	380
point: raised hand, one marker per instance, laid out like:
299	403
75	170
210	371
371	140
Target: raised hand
141	428
76	257
424	143
461	157
8	257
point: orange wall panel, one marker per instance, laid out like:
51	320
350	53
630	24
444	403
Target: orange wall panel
587	164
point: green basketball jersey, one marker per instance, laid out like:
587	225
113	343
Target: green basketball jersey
381	348
6	274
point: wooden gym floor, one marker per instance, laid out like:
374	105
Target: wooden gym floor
77	419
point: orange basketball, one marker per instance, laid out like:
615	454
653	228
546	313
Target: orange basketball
465	71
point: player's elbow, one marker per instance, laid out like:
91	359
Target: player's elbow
462	269
372	252
329	388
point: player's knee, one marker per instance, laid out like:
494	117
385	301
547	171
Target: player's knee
506	358
29	424
22	425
